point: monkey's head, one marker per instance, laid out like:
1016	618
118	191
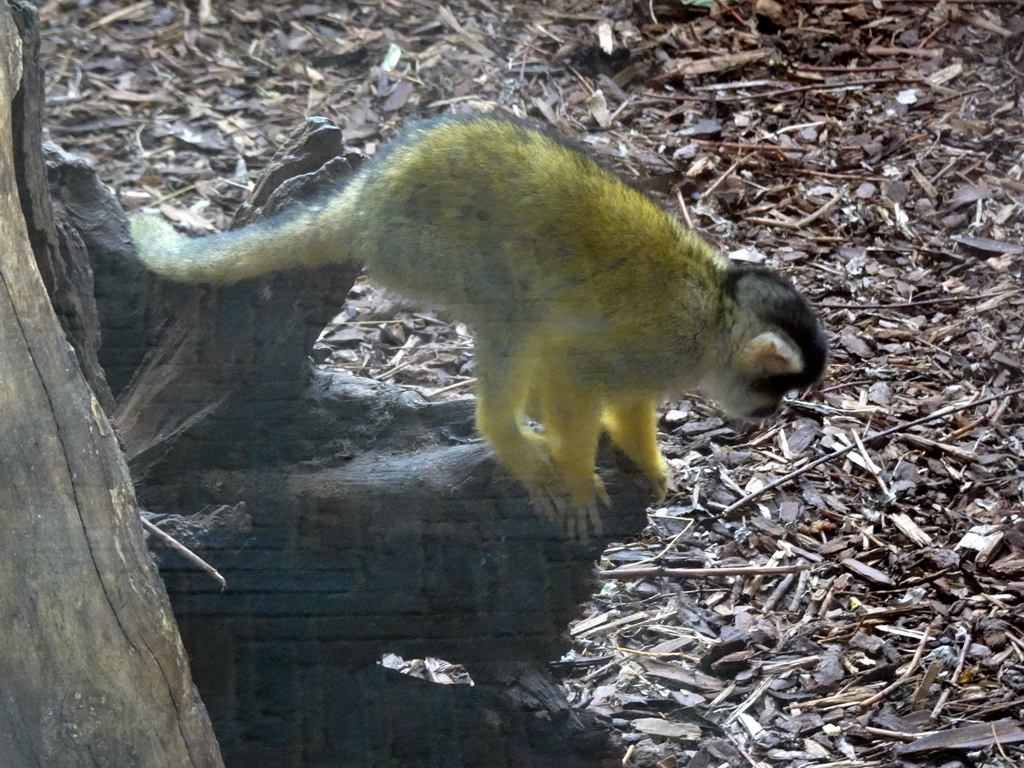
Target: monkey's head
777	344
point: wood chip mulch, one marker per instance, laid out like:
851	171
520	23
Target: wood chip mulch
874	151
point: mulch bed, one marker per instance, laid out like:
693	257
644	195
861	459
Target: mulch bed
873	151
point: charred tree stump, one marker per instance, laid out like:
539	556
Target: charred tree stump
350	518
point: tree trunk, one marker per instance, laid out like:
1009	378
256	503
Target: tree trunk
92	669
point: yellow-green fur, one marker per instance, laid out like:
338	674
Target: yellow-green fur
586	298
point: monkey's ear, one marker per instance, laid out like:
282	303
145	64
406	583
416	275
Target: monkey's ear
769	354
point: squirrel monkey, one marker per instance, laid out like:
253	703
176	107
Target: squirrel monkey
589	303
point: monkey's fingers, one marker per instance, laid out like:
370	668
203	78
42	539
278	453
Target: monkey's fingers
659	486
584	516
552	507
580	519
587	517
579	514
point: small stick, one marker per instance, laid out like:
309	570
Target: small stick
902	678
825	87
871	466
953	679
897	735
701	573
798	593
756	694
921	302
988	26
656	655
924	43
685	211
184	551
779	593
886	50
117	15
841	176
809	219
826	601
749	147
670	546
457	385
721	179
841	70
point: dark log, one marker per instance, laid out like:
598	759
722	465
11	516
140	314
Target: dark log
374	520
93	670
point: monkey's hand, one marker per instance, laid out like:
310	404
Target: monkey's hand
564	493
631	422
574	506
657	475
574	492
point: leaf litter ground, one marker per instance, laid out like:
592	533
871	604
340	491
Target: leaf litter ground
873	151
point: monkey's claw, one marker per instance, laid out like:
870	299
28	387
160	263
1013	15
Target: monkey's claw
579	517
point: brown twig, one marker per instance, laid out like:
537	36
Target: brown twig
683	209
748	147
894	735
799	592
778	593
932	35
954	678
184	551
809	219
701	573
902	678
847	70
119	14
824	87
988	26
922	302
721	179
431	394
889	50
839	176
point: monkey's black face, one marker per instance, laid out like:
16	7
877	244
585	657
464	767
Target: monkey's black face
775	389
746	392
741	398
763	412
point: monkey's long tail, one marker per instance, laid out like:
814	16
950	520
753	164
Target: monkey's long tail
290	239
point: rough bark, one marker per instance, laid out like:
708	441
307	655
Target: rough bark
93	670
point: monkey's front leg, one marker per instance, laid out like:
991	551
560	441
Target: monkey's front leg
632	424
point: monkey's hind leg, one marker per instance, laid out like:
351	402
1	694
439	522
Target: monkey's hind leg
572	427
631	423
505	374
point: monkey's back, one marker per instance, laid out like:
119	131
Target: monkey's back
486	216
